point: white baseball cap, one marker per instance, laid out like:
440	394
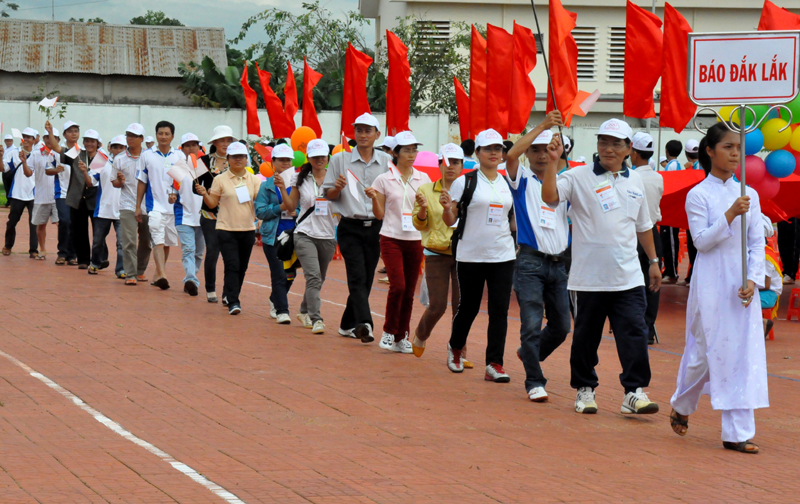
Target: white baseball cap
544	138
406	138
135	128
616	128
93	134
29	132
662	159
148	139
118	140
368	120
283	151
388	142
189	137
236	149
643	142
315	148
69	124
451	151
567	142
488	137
8	137
692	146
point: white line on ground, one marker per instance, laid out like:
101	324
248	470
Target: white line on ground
300	295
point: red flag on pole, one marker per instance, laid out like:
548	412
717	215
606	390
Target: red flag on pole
500	64
677	109
251	99
291	105
462	104
354	99
278	122
777	18
643	57
398	87
477	84
523	94
563	60
310	79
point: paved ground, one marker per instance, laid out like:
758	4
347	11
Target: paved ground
118	394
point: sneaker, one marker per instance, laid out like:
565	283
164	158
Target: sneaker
234	309
537	394
121	275
283	318
211	297
272	312
364	333
190	288
584	401
305	320
384	280
224	300
347	333
418	346
454	362
162	283
92	270
387	340
104	265
318	328
401	346
787	280
496	373
637	403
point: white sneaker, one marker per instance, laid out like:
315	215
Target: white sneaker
787	280
318	328
637	403
284	318
584	401
402	346
305	320
387	340
272	312
454	362
347	333
496	373
537	394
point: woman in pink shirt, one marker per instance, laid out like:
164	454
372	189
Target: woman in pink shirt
393	194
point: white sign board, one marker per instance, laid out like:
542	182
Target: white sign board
743	68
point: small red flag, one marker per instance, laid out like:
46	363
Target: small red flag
500	64
280	125
345	145
477	83
291	105
563	60
354	99
777	18
462	104
643	57
677	109
523	94
398	87
310	79
251	99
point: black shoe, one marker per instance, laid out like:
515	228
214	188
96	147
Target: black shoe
162	283
770	323
234	309
83	266
651	340
190	288
364	333
104	265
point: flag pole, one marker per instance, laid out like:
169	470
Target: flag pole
546	66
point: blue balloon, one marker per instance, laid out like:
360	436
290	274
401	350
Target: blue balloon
753	142
780	163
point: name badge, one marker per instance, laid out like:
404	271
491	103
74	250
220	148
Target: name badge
607	197
321	206
243	193
495	215
547	217
408	225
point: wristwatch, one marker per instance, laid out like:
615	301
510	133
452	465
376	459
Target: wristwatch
654	261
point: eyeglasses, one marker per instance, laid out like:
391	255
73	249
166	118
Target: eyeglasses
616	145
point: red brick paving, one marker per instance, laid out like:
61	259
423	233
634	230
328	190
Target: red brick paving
276	414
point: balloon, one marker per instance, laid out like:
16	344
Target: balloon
794	143
266	169
796	163
760	111
337	149
755	170
780	163
767	188
794	106
753	142
727	113
775	139
301	137
299	158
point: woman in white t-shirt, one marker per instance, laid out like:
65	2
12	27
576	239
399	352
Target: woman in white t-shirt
315	234
485	254
393	195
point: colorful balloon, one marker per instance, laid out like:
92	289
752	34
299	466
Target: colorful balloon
794	106
755	170
266	169
727	113
299	158
753	142
774	138
780	163
337	149
794	143
301	137
767	188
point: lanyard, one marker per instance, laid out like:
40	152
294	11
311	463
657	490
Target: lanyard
405	185
491	185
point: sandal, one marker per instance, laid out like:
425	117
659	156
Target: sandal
40	257
33	255
61	261
743	447
6	252
72	262
679	423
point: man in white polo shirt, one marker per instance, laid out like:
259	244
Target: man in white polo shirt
187	219
43	164
7	153
20	193
609	214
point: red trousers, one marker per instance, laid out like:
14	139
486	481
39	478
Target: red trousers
402	259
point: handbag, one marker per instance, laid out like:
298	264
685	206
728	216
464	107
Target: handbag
285	242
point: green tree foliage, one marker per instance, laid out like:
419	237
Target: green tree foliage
90	20
157	18
7	6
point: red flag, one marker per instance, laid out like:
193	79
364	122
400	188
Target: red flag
643	48
462	104
280	125
500	64
777	18
310	79
345	145
290	94
354	99
477	84
398	88
677	108
563	60
523	94
250	97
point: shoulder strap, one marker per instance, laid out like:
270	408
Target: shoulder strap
306	214
470	183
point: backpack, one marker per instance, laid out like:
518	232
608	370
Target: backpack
470	183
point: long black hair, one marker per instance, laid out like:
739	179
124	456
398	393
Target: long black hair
304	171
714	136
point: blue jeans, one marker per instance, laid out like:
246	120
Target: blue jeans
192	247
100	230
280	288
540	284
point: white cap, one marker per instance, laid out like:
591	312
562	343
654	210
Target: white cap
451	151
662	159
283	151
581	159
316	147
8	137
616	129
90	133
69	124
566	141
768	229
388	142
118	140
237	148
55	133
221	132
488	137
544	138
406	138
29	132
368	120
643	142
189	137
692	146
135	128
149	139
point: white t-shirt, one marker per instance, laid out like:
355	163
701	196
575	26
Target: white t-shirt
550	237
21	186
187	208
775	278
61	181
482	241
604	255
654	189
159	185
315	225
130	167
673	165
40	162
108	196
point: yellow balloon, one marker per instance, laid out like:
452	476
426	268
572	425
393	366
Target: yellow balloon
794	143
727	113
735	117
775	139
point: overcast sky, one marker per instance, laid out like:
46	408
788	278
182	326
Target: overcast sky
229	14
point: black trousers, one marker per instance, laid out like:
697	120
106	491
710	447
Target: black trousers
361	250
209	227
671	246
789	245
692	250
498	279
79	229
65	247
652	298
14	216
236	247
625	310
8	178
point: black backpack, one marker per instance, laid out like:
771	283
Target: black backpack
470	183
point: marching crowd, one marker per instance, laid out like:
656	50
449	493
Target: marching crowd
573	242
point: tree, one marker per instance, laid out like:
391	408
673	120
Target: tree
157	18
7	6
90	20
